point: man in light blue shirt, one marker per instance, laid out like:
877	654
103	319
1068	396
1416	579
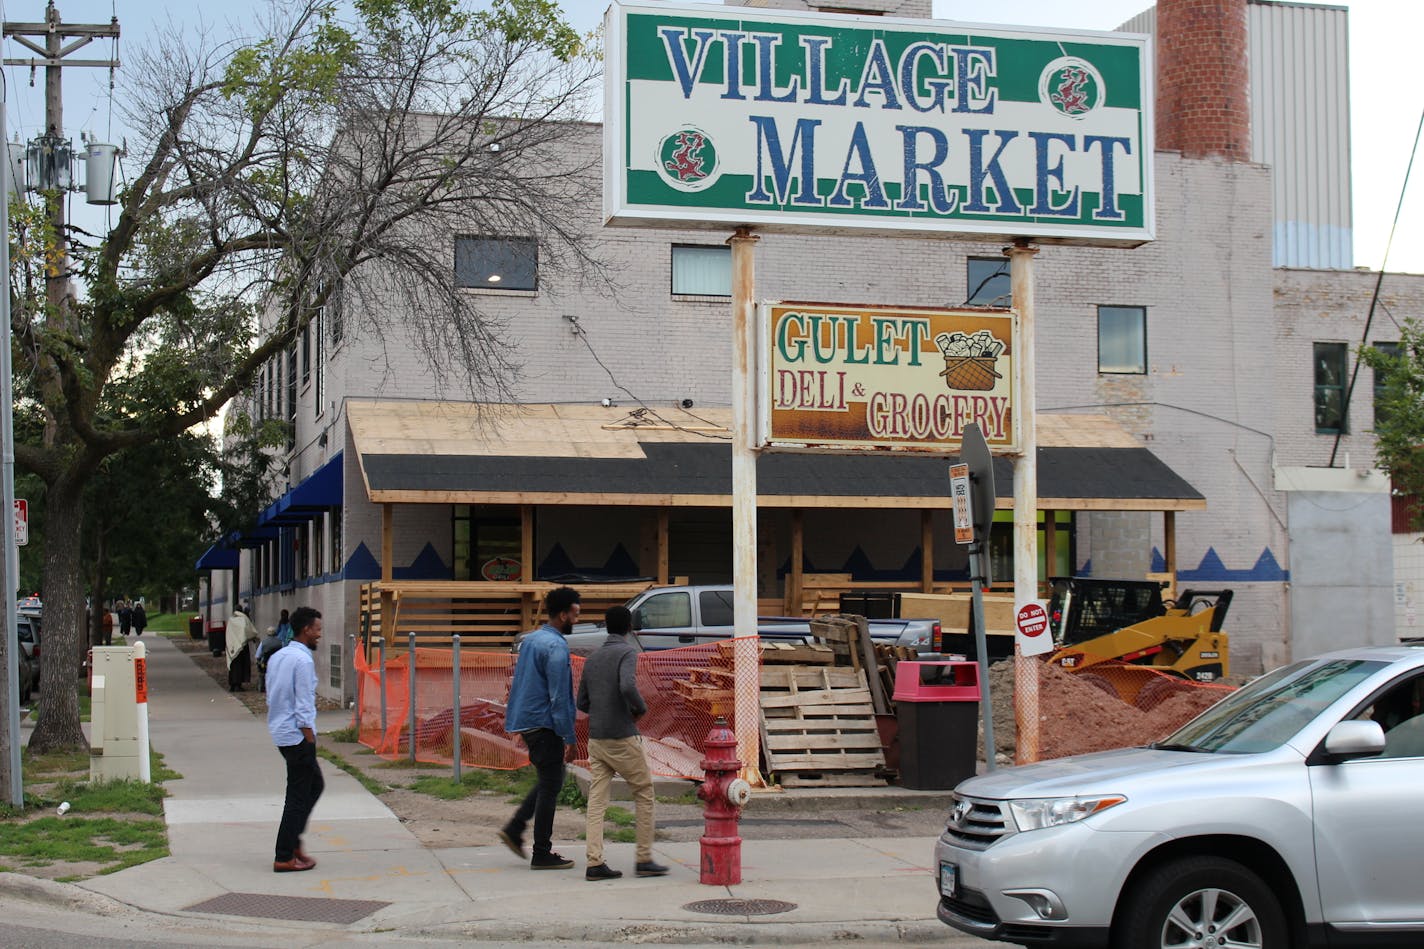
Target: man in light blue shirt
291	718
541	710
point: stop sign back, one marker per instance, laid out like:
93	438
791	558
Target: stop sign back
1032	623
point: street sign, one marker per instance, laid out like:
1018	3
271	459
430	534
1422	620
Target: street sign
721	116
1031	621
22	522
959	491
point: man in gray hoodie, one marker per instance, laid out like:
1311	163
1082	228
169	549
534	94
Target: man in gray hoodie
608	692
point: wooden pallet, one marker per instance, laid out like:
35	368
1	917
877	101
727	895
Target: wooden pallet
818	727
783	654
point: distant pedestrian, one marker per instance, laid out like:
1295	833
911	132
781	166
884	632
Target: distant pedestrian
240	632
125	617
139	619
608	692
284	628
541	710
291	719
106	628
265	650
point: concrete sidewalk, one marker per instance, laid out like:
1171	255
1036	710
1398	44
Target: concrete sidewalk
222	819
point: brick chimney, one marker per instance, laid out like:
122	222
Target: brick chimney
1203	76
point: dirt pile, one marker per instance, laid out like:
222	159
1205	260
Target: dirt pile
1078	715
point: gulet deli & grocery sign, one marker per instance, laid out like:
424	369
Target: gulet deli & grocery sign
806	122
856	377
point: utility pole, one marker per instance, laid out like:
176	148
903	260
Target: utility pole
57	157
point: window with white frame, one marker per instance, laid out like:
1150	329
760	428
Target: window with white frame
988	282
702	270
1122	339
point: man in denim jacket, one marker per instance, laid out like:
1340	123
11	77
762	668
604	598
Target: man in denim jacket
541	710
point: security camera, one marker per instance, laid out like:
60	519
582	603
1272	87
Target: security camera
606	403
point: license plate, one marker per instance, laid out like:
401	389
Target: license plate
948	880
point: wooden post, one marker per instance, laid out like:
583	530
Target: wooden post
1050	544
526	570
798	557
1169	542
388	630
927	551
663	547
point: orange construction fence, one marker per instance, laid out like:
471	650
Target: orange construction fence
685	689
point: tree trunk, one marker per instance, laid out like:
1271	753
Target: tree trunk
64	614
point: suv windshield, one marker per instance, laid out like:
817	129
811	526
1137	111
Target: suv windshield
1268	712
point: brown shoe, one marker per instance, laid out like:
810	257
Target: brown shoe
290	866
301	855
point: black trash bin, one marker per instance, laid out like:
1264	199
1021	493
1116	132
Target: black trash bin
195	627
937	704
217	638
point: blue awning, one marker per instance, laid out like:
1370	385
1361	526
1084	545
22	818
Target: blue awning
257	536
217	557
315	494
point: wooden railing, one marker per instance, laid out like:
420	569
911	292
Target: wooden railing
486	615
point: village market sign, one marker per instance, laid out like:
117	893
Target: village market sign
804	122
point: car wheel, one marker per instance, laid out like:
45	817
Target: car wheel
1201	902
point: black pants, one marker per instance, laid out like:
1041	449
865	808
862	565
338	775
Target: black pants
546	753
239	670
304	787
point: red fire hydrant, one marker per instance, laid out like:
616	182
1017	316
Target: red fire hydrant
724	793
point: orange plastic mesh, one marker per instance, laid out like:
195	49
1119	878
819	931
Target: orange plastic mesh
685	690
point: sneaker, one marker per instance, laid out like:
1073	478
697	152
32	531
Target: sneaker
650	869
601	871
515	842
550	861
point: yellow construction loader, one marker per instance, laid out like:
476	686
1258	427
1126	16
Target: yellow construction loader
1127	621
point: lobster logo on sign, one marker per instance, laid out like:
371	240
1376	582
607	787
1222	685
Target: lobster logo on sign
687	159
1071	86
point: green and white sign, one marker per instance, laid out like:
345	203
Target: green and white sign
794	121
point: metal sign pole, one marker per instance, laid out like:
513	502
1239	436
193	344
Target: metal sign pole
455	704
1025	499
747	654
16	790
978	563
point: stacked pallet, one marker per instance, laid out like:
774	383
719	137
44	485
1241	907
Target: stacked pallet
818	727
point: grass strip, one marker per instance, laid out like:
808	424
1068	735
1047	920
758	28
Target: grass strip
115	844
367	782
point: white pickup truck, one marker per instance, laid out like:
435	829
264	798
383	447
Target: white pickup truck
669	617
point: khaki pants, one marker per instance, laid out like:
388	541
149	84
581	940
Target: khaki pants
622	756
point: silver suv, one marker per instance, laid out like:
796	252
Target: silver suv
1287	815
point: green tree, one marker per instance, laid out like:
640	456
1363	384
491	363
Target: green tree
1399	410
277	172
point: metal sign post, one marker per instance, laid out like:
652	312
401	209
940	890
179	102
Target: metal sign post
975	457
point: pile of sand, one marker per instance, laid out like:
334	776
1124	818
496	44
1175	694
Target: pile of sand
1077	716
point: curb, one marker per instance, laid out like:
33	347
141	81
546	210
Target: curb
60	895
732	931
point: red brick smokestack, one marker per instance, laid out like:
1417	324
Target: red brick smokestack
1203	75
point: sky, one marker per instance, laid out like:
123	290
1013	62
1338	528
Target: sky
1386	96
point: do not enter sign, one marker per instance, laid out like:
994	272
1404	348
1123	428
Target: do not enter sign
1032	622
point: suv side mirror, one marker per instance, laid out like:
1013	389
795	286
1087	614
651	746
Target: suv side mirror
639	619
1354	740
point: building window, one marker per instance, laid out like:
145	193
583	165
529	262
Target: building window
497	263
336	561
701	270
488	542
334	316
306	354
1393	351
292	396
1330	366
989	283
320	357
1122	339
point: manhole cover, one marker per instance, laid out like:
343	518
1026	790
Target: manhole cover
740	907
303	908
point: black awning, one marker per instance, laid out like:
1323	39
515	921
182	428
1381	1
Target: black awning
690	473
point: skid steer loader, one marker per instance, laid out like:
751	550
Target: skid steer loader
1127	621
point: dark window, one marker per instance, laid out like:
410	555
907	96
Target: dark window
319	391
497	263
1122	339
1392	350
702	270
292	396
989	283
488	543
1330	366
306	353
336	562
334	315
302	549
716	607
